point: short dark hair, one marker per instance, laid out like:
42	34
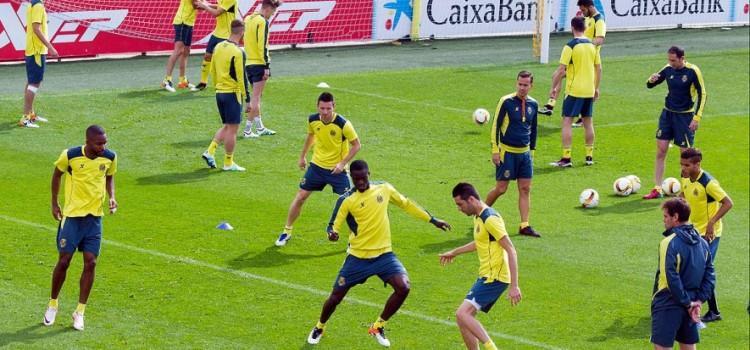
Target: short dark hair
677	51
325	97
525	74
578	24
359	165
586	3
465	190
94	130
677	206
237	26
272	3
694	155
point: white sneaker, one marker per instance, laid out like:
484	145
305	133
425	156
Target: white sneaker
249	134
27	124
283	238
210	161
78	321
167	85
39	119
265	132
379	334
315	336
49	316
233	167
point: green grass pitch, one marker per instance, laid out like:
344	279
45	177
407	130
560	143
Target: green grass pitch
168	279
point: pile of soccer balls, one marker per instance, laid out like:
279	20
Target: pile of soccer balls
626	185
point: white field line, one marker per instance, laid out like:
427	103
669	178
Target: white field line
288	285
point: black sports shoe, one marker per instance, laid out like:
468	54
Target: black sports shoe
589	160
711	316
199	87
546	110
578	123
528	231
315	336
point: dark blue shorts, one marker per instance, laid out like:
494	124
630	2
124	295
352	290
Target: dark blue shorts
484	295
316	178
673	324
35	72
82	233
184	33
514	166
255	72
356	271
713	247
676	127
212	42
230	107
575	106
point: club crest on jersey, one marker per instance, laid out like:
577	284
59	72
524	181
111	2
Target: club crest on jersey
362	204
516	109
477	229
380	198
102	167
342	281
671	77
695	192
333	132
529	110
684	78
63	242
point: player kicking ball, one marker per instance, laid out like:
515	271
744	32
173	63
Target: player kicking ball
498	266
366	212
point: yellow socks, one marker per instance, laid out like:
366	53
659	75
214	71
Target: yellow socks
320	325
490	345
228	159
590	151
205	66
288	230
53	303
524	225
380	323
183	79
566	153
81	308
168	77
212	147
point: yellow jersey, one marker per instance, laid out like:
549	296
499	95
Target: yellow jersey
580	57
595	26
703	196
228	70
489	229
331	139
185	13
224	21
256	40
35	14
366	214
85	180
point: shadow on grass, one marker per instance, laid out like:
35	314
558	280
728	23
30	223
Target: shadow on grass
197	144
639	329
6	127
273	257
623	206
161	96
28	335
176	178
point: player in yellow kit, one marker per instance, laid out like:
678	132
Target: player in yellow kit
258	64
225	11
366	213
37	49
183	22
498	265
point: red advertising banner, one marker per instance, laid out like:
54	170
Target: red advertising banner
80	28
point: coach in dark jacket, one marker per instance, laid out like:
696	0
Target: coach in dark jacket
684	280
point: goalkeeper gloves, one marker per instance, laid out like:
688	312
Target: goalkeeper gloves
547	108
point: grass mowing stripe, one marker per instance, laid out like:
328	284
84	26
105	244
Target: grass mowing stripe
298	287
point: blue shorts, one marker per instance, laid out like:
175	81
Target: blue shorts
184	33
676	126
316	178
212	42
82	233
713	247
575	106
514	166
356	271
673	324
484	295
35	72
255	72
230	107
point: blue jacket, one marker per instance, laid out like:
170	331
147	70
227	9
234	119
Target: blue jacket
685	271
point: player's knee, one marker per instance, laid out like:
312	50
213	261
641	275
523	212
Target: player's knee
64	262
403	289
89	264
335	298
500	190
524	189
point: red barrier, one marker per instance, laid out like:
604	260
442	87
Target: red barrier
95	27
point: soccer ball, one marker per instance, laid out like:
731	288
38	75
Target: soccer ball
589	198
635	182
622	187
481	116
670	186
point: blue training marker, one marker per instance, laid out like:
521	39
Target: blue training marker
225	226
